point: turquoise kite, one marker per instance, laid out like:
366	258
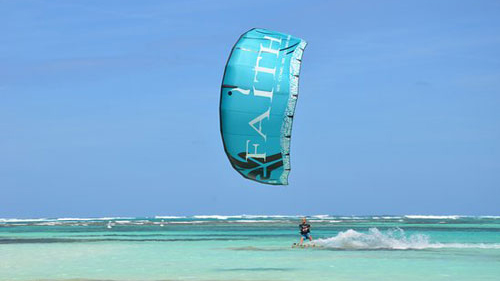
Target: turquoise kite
258	96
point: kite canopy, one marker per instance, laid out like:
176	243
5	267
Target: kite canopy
258	96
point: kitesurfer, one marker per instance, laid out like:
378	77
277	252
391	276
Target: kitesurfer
305	230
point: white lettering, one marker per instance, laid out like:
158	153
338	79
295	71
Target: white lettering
259	120
269	50
243	91
259	68
273	39
265	94
255	154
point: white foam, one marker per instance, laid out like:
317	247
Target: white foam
75	219
222	217
185	222
216	217
129	222
321	216
169	217
263	216
253	221
432	217
113	218
22	220
351	218
63	219
219	217
45	223
394	239
95	219
385	217
323	221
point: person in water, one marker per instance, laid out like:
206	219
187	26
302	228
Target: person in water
305	230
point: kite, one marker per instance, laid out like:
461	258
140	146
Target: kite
258	96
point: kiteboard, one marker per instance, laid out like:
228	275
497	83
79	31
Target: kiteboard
303	246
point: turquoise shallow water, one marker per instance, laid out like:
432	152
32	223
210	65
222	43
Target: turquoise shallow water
251	248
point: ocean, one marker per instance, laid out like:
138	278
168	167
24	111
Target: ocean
251	247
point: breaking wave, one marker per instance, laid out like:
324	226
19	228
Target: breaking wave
431	217
249	219
394	239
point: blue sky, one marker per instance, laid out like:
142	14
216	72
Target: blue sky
110	108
